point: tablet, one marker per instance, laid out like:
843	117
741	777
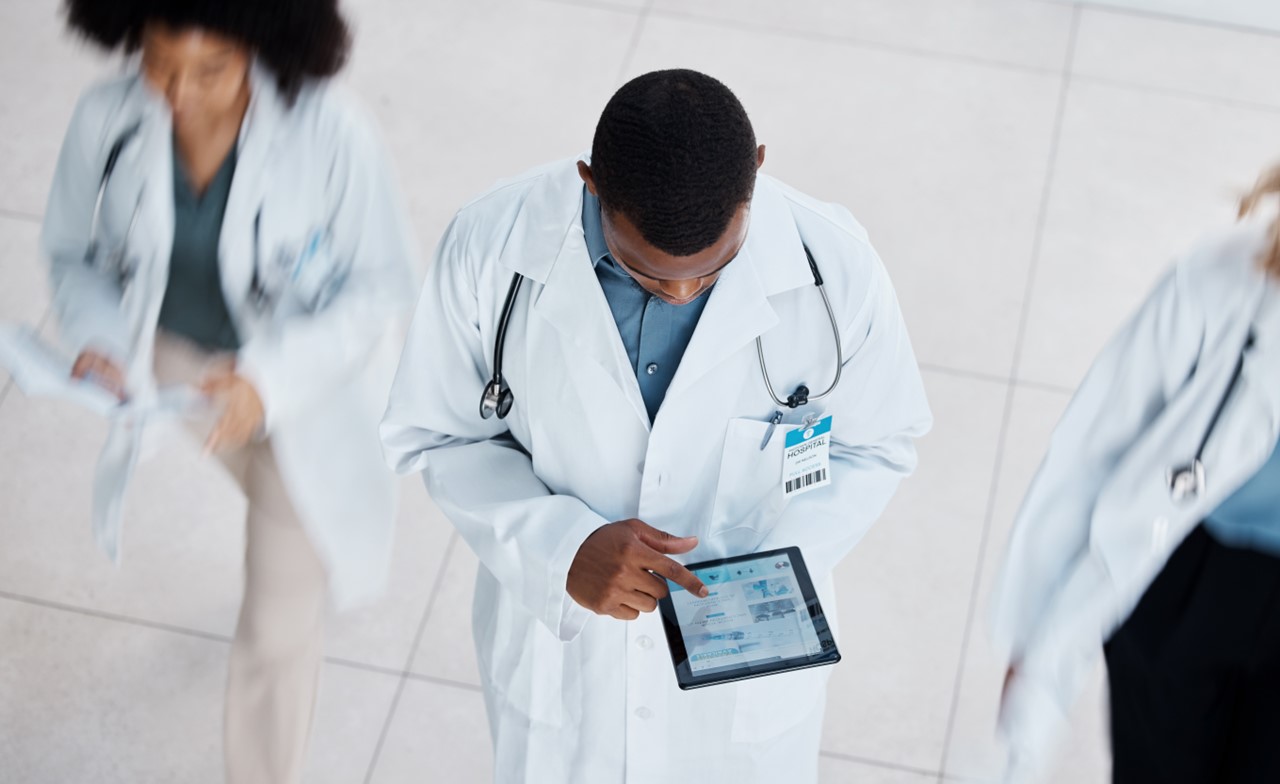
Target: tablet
761	617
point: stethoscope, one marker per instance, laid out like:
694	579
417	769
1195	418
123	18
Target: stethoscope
497	397
117	259
263	291
1187	482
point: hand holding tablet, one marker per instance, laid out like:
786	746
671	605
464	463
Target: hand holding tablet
622	569
760	616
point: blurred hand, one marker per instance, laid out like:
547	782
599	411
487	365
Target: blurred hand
98	369
621	569
242	412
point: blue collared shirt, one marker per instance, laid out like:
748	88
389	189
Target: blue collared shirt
1250	517
654	333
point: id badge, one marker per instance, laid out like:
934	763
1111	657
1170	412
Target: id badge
806	458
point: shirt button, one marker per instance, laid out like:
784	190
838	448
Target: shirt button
644	641
644	713
652	368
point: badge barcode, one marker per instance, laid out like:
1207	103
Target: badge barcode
806	480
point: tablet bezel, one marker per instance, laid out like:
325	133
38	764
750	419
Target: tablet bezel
685	677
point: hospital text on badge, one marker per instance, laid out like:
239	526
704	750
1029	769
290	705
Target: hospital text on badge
806	458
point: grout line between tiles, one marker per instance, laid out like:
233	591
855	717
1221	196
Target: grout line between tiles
1002	438
601	5
110	616
1215	100
947	778
1235	27
1094	6
829	38
22	216
973	375
460	685
875	763
1043	387
413	650
1091	6
807	35
992	378
970	59
636	35
129	620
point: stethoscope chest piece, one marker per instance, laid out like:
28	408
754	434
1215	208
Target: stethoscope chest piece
1186	482
497	399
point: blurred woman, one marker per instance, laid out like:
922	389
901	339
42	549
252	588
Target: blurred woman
223	216
1154	525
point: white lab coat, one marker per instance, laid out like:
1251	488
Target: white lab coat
1098	523
575	697
322	355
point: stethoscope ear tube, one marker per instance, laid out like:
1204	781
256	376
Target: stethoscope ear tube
1187	482
113	157
497	397
801	395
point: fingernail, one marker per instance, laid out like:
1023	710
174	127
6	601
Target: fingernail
703	593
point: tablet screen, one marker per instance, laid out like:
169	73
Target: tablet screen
760	616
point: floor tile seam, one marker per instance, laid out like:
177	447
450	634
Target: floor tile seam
1003	435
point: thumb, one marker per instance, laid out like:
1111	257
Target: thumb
664	542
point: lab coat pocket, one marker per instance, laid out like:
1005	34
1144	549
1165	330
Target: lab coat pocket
749	488
297	270
524	661
317	275
769	706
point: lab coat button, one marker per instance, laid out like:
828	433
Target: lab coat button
644	641
644	713
652	368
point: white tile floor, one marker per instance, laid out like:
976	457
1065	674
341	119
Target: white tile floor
1025	167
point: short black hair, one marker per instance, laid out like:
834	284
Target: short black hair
296	39
675	153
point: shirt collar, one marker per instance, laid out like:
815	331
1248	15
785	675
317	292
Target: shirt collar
593	228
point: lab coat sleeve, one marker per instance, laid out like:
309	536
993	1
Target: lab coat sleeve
878	410
293	363
523	534
86	300
1120	397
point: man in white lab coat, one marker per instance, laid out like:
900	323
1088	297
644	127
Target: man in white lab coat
635	284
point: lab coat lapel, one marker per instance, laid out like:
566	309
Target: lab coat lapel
573	302
151	155
258	135
771	261
1258	420
736	314
1136	512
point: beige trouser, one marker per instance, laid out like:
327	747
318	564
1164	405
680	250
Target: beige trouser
278	647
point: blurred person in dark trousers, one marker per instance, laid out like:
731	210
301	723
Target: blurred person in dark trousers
1152	531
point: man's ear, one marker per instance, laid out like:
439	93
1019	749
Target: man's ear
584	171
